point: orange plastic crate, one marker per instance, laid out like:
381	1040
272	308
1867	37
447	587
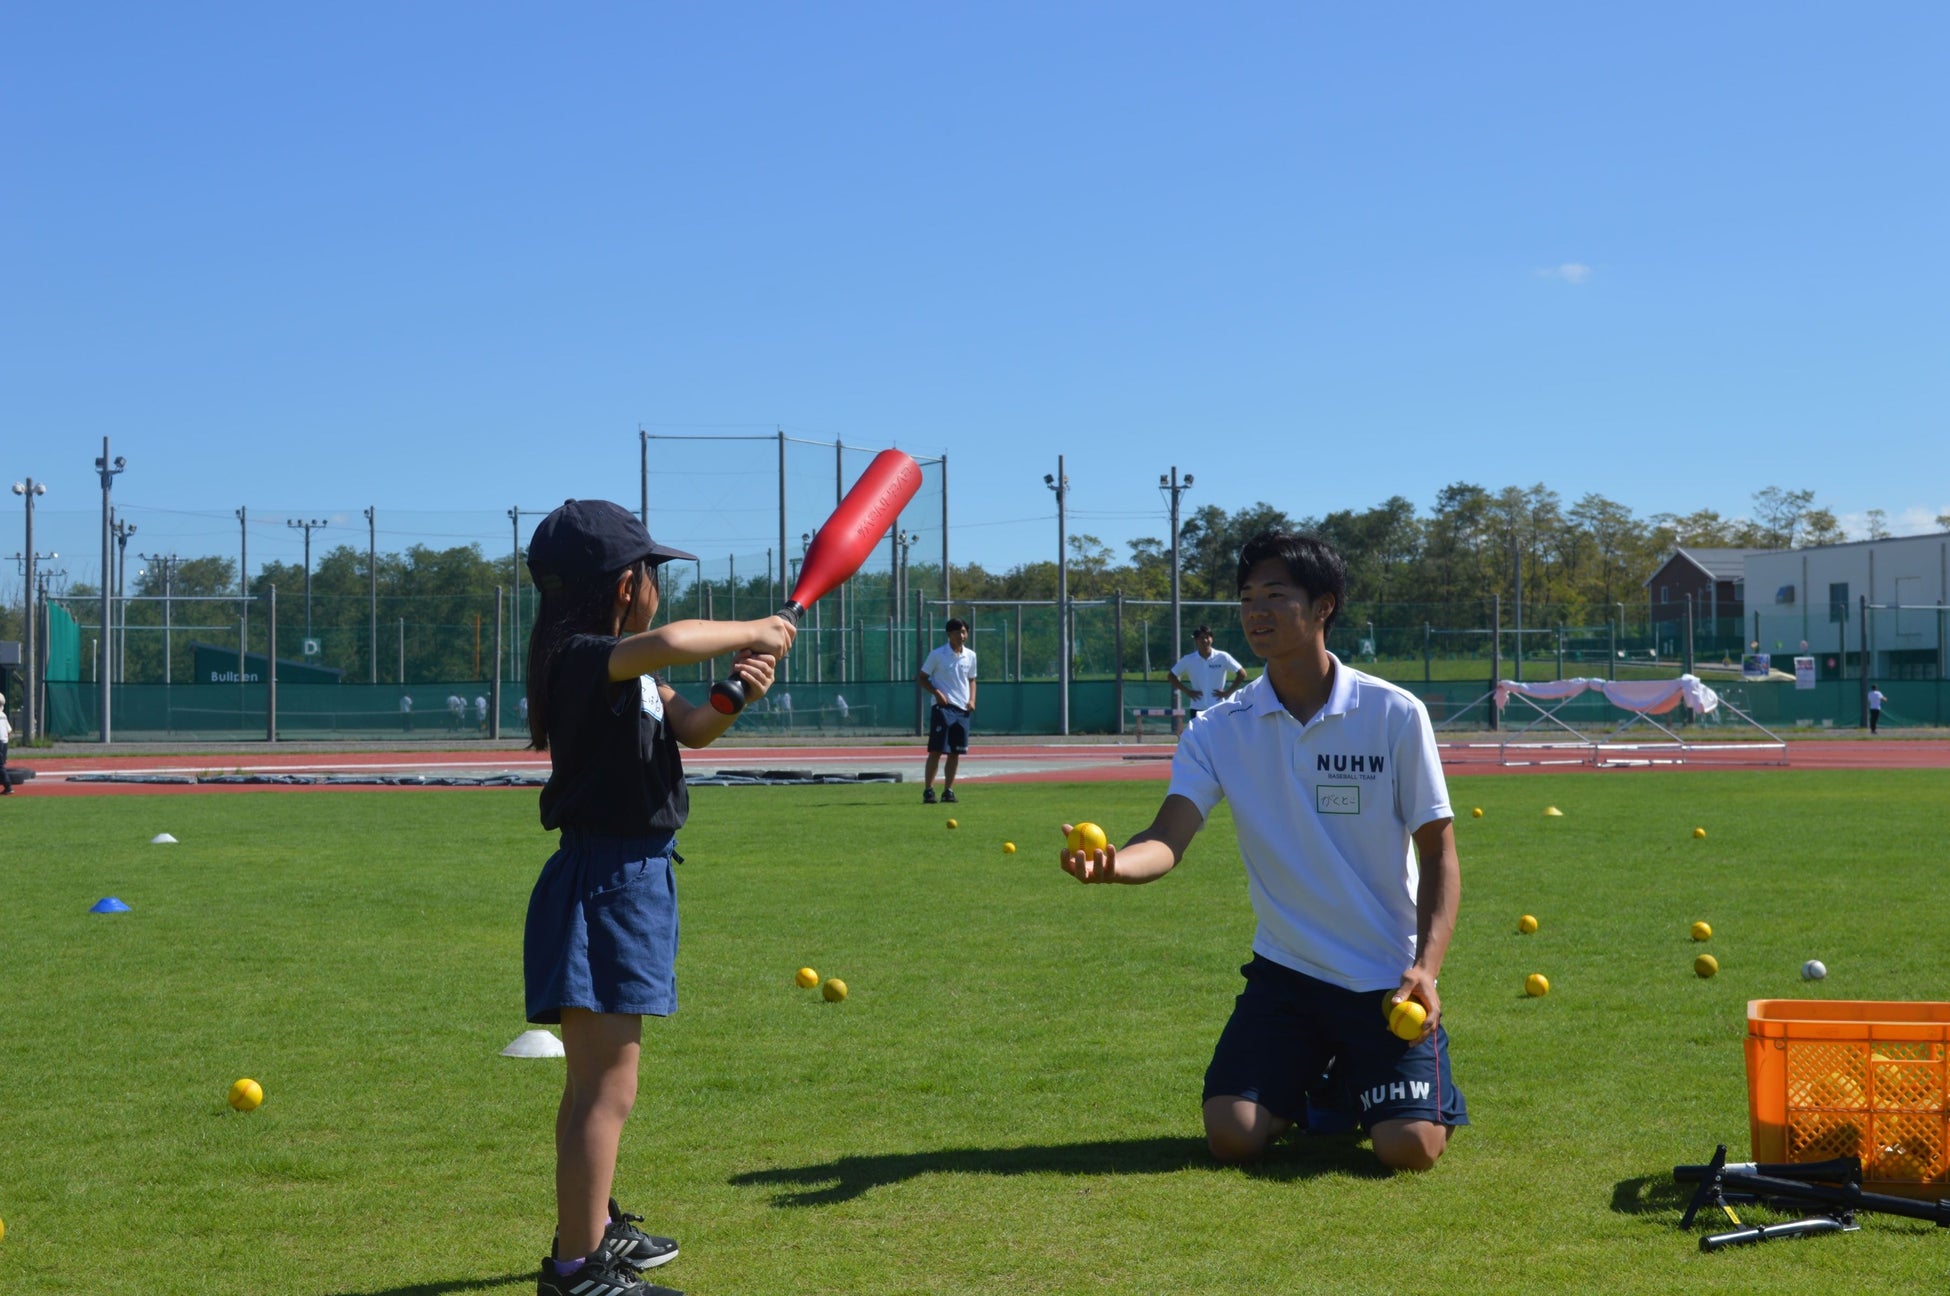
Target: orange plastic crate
1842	1077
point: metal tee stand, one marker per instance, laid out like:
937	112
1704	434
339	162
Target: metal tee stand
1836	1186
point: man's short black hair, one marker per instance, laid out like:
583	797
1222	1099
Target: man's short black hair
1310	562
1202	632
954	624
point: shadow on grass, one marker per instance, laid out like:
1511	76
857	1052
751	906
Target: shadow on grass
450	1287
1651	1195
851	1176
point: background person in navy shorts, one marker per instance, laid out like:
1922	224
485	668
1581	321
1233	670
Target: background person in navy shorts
599	950
1345	828
949	674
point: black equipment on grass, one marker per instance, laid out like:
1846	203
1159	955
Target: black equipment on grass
1834	1186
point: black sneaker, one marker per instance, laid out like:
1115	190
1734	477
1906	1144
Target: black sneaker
927	796
603	1275
630	1244
948	795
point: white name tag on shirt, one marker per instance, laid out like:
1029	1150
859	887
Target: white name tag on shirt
653	698
1337	798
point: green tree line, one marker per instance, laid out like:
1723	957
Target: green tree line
436	607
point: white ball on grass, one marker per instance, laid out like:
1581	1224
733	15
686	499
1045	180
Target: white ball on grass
1813	970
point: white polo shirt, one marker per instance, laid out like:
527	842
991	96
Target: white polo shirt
1325	813
950	672
1207	674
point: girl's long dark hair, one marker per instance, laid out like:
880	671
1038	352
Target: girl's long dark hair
579	610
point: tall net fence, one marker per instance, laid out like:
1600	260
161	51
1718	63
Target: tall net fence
425	666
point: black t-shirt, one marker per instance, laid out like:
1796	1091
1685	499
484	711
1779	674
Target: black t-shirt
615	767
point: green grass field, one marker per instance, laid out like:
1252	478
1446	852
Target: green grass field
1007	1103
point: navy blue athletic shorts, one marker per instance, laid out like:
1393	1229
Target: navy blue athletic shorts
1286	1027
602	928
948	731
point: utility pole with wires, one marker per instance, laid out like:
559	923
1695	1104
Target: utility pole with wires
1174	487
168	562
31	490
108	469
1059	482
243	589
123	530
372	571
307	525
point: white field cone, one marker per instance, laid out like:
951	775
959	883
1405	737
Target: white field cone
534	1044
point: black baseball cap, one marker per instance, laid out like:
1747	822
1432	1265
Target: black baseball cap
585	540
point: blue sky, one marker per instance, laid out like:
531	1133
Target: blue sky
447	258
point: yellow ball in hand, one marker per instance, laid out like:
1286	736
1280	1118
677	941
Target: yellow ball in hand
1087	837
834	990
1536	985
246	1095
805	978
1406	1018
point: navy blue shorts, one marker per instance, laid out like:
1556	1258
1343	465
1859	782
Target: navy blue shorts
602	928
1287	1027
948	731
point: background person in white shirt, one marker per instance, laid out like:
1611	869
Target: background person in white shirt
1876	700
1203	675
949	674
1333	776
6	736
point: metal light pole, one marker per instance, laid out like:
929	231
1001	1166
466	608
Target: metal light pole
123	530
32	490
306	526
108	469
1175	488
643	475
372	570
1060	483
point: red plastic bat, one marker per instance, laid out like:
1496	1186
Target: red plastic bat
866	514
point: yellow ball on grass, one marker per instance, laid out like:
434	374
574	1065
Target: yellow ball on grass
1702	931
1527	924
1536	985
834	990
805	978
246	1095
1705	965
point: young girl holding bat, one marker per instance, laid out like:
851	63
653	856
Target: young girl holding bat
600	947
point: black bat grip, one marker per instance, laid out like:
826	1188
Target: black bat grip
728	694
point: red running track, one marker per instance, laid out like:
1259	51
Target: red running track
1017	763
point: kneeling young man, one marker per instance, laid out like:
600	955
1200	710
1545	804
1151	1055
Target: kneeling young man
1344	824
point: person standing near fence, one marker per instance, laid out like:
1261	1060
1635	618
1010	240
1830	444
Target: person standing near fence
6	736
949	674
599	948
1875	707
1205	676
